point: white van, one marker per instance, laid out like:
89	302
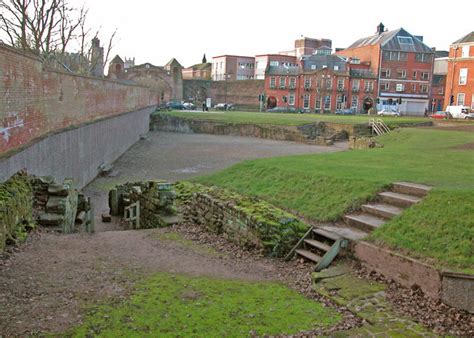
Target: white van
460	112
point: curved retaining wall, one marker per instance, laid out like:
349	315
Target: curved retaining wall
320	133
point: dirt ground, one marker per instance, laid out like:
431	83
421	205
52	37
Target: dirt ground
45	284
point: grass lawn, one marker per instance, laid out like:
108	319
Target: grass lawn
165	304
287	119
325	186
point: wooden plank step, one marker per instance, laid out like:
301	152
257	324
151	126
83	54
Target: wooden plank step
364	222
400	200
382	210
317	244
326	234
408	188
308	255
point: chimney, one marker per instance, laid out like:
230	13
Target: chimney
380	28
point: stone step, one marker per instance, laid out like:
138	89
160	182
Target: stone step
308	255
414	189
400	200
56	205
318	245
364	222
382	210
326	234
47	219
170	220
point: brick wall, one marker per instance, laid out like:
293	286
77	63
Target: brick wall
35	101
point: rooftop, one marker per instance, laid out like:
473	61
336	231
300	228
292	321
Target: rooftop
465	39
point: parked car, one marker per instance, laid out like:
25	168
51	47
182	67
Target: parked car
189	106
224	106
282	110
460	112
389	112
439	115
175	105
349	111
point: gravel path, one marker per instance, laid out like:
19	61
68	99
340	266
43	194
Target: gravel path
45	284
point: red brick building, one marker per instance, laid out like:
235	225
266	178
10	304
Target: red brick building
403	65
232	68
265	60
460	78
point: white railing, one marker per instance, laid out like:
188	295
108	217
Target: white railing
378	127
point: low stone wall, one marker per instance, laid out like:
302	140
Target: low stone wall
458	290
248	222
320	133
404	270
16	209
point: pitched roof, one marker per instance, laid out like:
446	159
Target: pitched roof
467	38
173	61
117	59
390	40
201	66
283	70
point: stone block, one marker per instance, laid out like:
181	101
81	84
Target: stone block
106	218
58	190
47	219
56	205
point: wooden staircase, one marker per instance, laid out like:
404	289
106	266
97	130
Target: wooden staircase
322	244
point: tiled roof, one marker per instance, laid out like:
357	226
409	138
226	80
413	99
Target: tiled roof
283	70
362	73
467	38
389	40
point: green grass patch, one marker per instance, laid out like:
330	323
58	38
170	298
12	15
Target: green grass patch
323	187
287	119
165	305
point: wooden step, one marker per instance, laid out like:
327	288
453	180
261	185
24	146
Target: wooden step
382	210
414	189
400	200
317	244
326	234
308	255
364	222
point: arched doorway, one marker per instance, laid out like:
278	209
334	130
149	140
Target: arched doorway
271	102
368	104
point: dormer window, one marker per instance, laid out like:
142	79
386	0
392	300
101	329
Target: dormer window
405	40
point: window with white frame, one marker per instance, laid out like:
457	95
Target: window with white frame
318	82
355	85
402	73
307	82
369	86
461	97
414	74
272	82
413	88
340	84
400	87
291	99
472	102
327	102
317	103
274	63
313	67
424	88
282	82
463	76
355	102
336	68
328	84
465	51
385	86
425	75
306	98
339	102
292	83
385	73
441	90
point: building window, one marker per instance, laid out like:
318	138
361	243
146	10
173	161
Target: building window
369	86
465	51
272	83
328	84
282	82
413	87
307	82
423	57
400	87
461	97
274	63
423	88
405	40
292	83
291	100
355	86
340	84
414	75
317	103
340	102
472	102
402	73
327	102
306	101
425	75
336	67
441	91
385	73
463	76
318	83
385	86
313	67
355	102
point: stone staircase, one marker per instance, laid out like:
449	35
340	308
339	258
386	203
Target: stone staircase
322	244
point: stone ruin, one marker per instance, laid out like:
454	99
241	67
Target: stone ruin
151	202
59	206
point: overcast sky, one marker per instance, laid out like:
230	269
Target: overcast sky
156	31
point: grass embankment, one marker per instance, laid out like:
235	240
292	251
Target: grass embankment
323	187
165	305
287	119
